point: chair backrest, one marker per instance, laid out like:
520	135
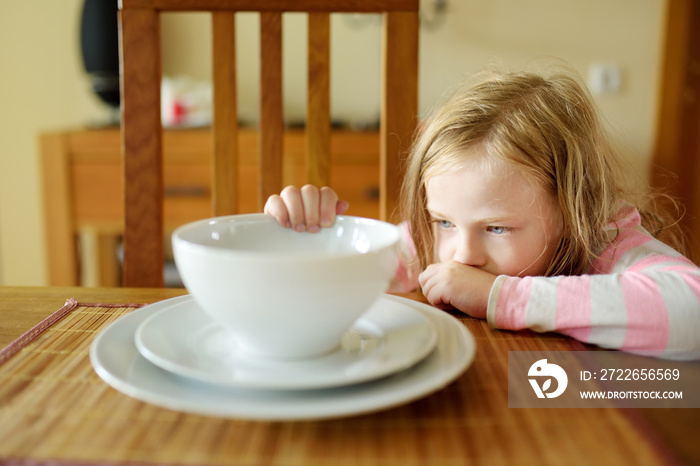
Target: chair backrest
141	117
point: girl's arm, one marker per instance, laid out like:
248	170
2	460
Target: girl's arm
641	296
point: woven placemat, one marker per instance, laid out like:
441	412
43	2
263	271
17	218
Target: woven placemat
55	409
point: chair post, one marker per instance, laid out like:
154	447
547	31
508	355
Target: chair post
318	119
399	105
271	106
225	121
142	148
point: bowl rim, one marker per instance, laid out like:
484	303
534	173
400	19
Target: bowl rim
178	242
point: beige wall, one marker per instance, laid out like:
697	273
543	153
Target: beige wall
42	86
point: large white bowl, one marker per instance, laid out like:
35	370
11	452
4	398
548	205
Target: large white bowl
285	294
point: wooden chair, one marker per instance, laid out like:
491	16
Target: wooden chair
142	129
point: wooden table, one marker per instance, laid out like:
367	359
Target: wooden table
76	417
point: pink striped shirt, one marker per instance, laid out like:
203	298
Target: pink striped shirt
639	295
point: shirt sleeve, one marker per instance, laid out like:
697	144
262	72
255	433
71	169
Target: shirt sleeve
406	276
640	296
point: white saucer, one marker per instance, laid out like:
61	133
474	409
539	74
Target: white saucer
182	339
116	360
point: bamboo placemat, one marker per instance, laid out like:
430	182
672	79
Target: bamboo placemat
55	409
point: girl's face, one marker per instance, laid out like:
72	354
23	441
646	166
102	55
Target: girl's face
488	216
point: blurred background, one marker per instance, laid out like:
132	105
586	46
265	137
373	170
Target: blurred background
44	87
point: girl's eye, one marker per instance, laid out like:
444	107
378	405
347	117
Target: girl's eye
443	224
498	230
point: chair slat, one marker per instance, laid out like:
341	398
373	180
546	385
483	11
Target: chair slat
399	105
142	142
271	108
318	120
225	122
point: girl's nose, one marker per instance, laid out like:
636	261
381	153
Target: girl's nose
470	251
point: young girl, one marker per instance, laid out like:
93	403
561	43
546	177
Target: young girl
515	211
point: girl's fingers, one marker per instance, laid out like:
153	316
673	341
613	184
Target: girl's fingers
276	207
311	199
291	195
431	286
305	209
341	207
426	275
329	201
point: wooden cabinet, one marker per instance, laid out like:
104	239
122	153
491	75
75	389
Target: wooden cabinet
83	189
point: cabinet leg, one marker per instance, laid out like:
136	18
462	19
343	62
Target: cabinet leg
99	265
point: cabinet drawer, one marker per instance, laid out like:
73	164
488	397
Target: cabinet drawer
97	193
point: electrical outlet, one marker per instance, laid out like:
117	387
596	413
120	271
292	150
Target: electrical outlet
605	78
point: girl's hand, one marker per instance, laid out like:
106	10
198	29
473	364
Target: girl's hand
453	285
305	209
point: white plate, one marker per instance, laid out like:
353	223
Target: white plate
117	361
182	339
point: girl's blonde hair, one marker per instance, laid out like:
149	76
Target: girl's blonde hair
546	127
